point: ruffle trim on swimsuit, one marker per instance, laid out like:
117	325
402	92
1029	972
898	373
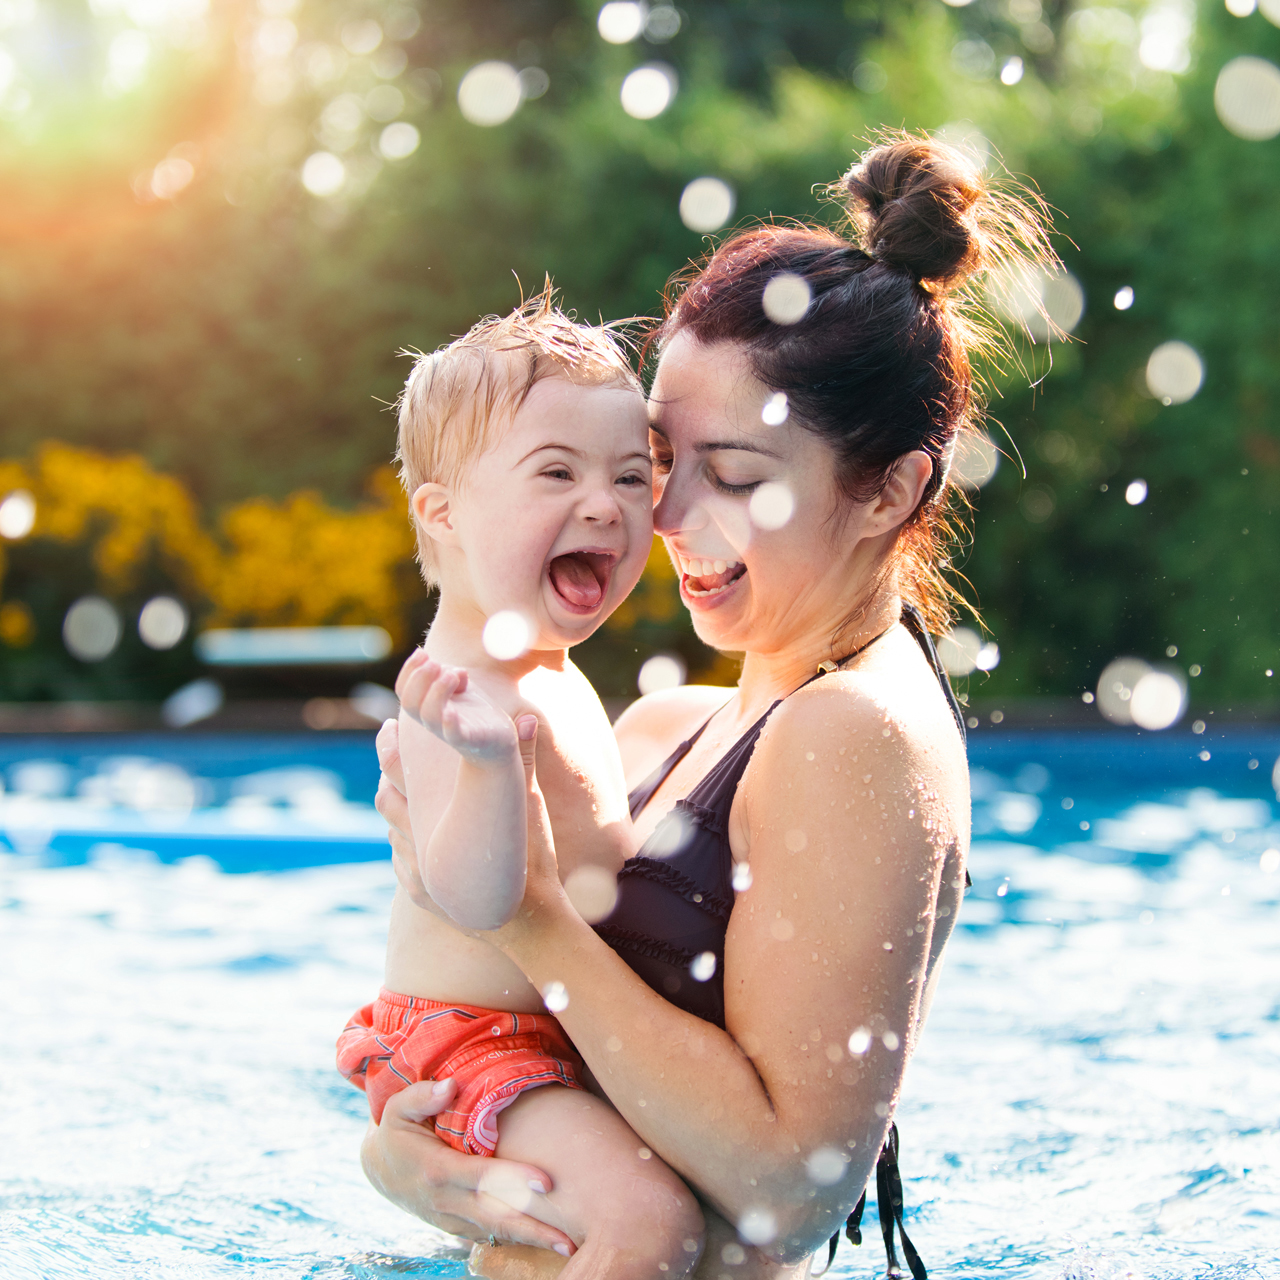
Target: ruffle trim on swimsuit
669	877
639	944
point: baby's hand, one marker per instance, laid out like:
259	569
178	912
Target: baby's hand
439	698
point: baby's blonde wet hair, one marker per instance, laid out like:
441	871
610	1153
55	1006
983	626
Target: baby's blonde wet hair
457	398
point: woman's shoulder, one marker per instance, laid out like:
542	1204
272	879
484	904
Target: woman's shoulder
651	728
895	713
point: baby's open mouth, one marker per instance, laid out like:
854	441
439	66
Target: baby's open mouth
710	577
581	578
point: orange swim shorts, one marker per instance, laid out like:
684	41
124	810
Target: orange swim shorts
493	1056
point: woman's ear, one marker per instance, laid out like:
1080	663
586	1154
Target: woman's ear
432	506
902	494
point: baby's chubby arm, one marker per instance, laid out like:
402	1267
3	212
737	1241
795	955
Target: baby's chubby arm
472	854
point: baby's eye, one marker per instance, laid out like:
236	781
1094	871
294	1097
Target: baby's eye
558	473
631	478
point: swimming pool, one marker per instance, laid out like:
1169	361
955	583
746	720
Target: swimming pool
186	922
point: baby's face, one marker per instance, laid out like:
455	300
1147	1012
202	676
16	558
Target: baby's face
556	519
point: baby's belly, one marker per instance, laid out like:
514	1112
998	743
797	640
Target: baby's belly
428	958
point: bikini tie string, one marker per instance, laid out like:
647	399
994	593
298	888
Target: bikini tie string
889	1202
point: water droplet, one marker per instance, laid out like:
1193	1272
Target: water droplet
644	1153
733	1254
891	1040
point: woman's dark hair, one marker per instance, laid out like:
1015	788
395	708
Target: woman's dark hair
878	365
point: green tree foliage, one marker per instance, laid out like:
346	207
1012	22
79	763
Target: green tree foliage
242	333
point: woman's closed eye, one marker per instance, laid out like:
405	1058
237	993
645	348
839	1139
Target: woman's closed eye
740	489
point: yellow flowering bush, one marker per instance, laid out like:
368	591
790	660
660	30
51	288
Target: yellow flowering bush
296	562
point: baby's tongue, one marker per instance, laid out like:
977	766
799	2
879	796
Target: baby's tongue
572	577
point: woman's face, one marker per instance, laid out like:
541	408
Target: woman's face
725	471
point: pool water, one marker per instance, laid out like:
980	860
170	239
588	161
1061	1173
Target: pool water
185	925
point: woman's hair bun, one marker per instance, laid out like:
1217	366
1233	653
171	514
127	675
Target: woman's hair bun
917	205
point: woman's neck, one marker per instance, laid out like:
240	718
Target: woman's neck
768	676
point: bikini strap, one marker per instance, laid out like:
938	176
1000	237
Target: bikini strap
889	1204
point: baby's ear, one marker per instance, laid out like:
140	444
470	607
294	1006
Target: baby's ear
432	506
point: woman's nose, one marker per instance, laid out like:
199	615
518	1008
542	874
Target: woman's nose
677	511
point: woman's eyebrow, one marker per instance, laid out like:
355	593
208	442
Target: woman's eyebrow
744	445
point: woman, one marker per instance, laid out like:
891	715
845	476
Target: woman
751	1003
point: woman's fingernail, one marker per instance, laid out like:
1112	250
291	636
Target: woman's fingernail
527	726
441	1087
534	1185
561	1249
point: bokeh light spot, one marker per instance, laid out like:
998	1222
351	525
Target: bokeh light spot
786	298
555	997
662	671
490	93
399	140
162	622
647	92
771	506
1135	493
703	966
825	1166
17	515
1247	98
171	176
323	174
1012	71
974	460
621	21
507	635
1241	8
1115	688
758	1226
91	629
361	37
592	890
1124	298
959	650
776	410
1158	700
1175	372
706	204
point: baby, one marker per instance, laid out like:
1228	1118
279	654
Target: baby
523	448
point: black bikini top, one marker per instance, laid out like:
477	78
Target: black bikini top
675	895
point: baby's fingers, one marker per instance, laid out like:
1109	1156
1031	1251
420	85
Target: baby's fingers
411	664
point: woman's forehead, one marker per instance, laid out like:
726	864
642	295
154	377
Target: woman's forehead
701	385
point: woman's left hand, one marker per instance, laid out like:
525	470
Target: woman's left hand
391	803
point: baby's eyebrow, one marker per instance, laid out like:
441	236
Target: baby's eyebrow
562	448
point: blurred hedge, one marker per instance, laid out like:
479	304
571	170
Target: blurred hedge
242	336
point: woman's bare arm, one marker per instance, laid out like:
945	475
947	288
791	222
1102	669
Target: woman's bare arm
833	936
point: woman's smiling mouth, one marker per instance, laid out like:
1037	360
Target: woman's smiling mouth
700	577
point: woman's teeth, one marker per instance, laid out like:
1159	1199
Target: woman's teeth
705	568
709	569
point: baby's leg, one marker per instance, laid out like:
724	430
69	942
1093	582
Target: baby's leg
631	1217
